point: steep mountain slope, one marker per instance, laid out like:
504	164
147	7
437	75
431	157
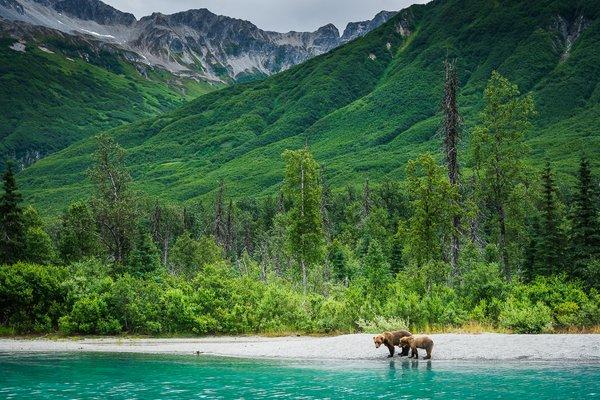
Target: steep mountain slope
57	88
366	107
194	43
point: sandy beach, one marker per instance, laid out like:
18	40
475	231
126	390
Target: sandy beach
346	347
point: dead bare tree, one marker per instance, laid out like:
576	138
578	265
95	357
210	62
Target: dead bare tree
451	126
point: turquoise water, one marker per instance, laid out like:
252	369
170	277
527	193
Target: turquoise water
126	376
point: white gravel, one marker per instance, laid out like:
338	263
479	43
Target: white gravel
347	347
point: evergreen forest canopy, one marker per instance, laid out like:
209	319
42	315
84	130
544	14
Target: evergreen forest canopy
497	246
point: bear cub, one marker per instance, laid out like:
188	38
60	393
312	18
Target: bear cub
418	342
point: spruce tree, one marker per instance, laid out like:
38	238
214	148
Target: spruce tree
230	239
12	227
550	243
376	270
219	228
305	236
427	232
145	256
586	230
338	260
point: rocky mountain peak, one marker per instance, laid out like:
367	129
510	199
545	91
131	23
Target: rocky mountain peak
91	10
329	30
194	43
356	29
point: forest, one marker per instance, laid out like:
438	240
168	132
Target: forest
473	238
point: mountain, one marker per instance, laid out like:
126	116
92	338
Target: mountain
57	88
194	43
357	29
366	107
72	68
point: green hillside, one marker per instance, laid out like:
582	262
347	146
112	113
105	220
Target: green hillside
61	89
365	108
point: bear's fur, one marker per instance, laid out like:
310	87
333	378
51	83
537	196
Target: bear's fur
391	339
418	341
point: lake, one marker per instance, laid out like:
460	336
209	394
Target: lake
135	376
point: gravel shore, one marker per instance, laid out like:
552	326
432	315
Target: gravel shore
486	346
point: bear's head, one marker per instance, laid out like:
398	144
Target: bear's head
406	340
379	340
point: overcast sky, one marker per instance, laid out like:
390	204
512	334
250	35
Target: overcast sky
276	15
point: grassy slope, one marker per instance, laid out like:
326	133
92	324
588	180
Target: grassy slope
49	101
362	117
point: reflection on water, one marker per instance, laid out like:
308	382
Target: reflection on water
122	376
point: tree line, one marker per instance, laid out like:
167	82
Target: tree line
445	230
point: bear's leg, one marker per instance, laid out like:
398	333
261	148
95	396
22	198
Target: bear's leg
391	349
428	357
404	352
415	353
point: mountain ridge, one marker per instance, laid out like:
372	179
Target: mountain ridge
195	43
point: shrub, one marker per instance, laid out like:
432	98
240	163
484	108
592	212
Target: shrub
32	297
523	317
281	310
381	324
90	316
333	316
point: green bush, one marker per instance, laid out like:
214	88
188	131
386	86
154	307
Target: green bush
32	297
381	324
90	315
85	299
524	317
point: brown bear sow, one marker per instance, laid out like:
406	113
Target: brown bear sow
391	339
419	341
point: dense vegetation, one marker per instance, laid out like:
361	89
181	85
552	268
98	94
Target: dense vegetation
69	91
365	108
524	255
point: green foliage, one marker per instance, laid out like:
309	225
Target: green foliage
144	257
189	256
12	228
591	273
32	297
78	237
113	204
499	152
523	317
376	270
302	187
85	299
340	259
586	222
548	243
433	200
39	247
381	324
89	316
50	100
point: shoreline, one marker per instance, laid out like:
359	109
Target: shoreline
485	346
